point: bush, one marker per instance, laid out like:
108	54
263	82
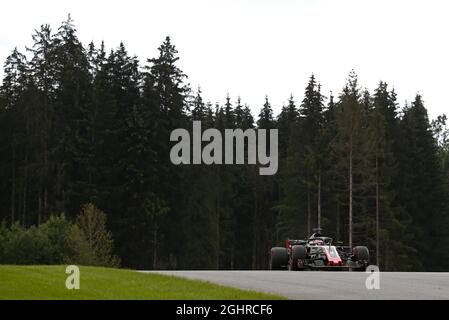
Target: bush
57	241
56	230
26	246
91	243
79	249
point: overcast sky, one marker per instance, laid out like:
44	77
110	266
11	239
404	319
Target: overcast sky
256	47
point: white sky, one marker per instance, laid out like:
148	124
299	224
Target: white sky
256	47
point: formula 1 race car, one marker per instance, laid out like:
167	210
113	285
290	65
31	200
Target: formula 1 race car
318	253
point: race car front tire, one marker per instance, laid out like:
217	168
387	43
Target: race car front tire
361	254
299	253
278	258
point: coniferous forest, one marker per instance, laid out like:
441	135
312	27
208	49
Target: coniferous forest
82	127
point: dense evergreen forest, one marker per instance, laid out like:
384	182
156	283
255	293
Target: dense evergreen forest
81	125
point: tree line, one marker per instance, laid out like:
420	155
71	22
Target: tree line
81	125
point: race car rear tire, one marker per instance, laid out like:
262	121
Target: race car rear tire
299	253
278	258
361	254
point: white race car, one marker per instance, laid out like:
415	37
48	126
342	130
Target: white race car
320	253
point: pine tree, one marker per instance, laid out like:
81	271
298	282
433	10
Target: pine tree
285	120
424	191
265	195
199	108
15	118
165	100
312	110
390	219
43	70
348	144
73	122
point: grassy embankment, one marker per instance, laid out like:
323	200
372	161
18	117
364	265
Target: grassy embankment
48	282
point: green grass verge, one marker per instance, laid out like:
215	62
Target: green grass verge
48	282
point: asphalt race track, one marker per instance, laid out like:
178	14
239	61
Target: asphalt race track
328	285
